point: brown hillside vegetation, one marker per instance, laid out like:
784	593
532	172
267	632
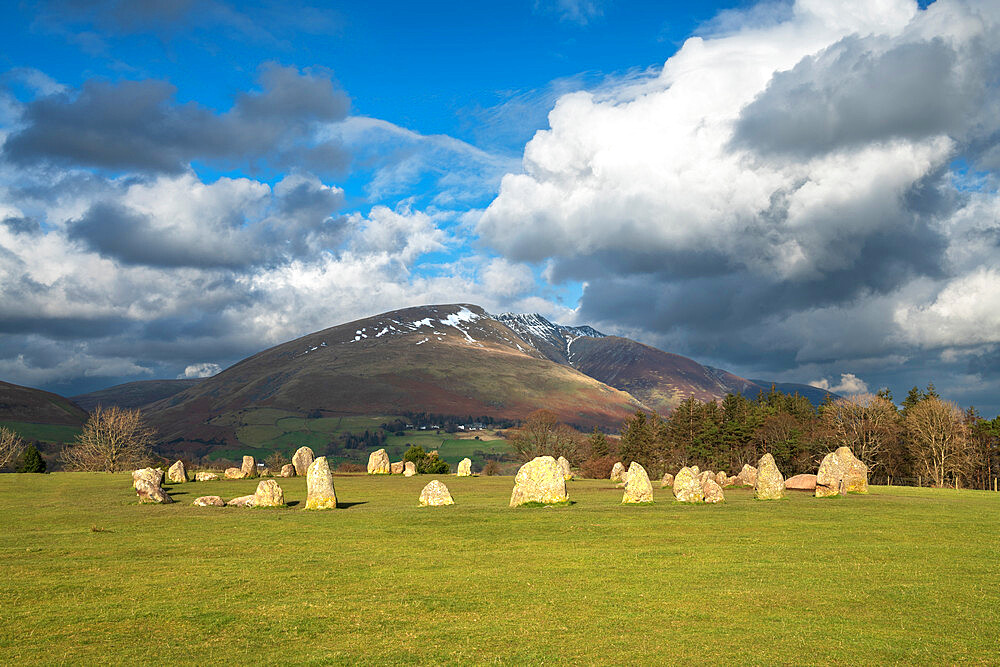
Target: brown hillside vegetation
25	404
133	394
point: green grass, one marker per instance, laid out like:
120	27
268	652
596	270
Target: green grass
43	432
898	576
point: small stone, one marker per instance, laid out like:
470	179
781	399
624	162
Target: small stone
378	463
435	494
205	476
249	466
720	478
176	473
464	468
409	469
209	501
712	491
301	459
288	470
539	481
688	487
747	476
396	468
242	501
564	466
618	472
268	494
637	486
235	473
801	483
320	494
668	480
770	484
265	472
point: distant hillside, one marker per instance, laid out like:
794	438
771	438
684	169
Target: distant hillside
815	395
133	394
24	404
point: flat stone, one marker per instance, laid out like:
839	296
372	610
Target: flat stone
242	501
209	501
801	483
206	476
235	473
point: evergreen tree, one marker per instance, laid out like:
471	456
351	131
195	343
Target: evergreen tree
598	444
31	460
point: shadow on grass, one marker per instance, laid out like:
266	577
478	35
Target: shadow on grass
344	506
293	503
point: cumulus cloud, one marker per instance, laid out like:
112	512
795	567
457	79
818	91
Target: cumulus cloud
849	384
202	370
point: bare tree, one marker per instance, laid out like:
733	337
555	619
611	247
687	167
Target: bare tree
866	423
938	439
112	440
543	434
11	445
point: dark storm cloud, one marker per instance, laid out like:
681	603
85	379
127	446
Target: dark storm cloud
850	95
19	225
138	125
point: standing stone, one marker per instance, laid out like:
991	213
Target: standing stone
688	487
830	479
856	472
301	459
205	476
540	480
209	501
320	494
242	501
618	472
265	472
770	484
720	478
378	463
249	466
150	493
705	475
268	494
288	470
668	480
695	470
435	494
152	475
564	466
409	469
464	468
801	483
747	476
396	468
637	486
176	473
712	491
235	473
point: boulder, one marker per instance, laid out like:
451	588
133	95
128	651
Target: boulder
840	473
801	483
152	475
301	459
637	486
720	478
396	468
747	476
564	466
705	475
540	480
205	476
618	472
149	492
435	494
378	463
712	491
320	494
770	484
176	473
268	494
464	468
730	481
688	487
242	501
856	473
668	480
235	473
265	472
209	501
409	469
249	466
288	470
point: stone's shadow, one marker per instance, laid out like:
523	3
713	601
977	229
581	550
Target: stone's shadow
293	503
344	506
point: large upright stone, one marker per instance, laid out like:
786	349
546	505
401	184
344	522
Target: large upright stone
396	468
618	472
409	469
378	463
319	486
268	494
770	484
288	470
712	491
668	480
747	476
564	466
435	494
146	482
840	473
637	486
464	468
152	475
249	466
856	472
540	480
301	459
688	487
176	473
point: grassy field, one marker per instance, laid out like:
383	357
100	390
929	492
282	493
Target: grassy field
88	576
43	432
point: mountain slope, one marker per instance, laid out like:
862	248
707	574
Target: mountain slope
133	394
451	359
24	404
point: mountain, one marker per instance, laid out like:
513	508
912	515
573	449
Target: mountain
449	359
133	394
24	404
814	394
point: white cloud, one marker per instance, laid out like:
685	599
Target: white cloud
202	370
849	384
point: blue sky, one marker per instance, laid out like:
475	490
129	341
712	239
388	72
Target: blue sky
803	191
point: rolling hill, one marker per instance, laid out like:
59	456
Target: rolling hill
24	404
133	394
